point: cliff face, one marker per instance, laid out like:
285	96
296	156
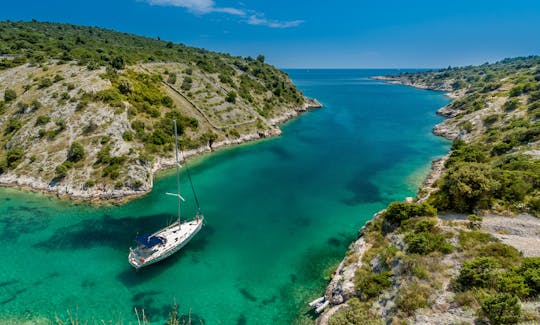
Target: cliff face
87	113
415	265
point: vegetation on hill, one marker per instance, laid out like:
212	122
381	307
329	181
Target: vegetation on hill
115	95
450	271
494	163
416	261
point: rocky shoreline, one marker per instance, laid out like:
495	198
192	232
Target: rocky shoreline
341	286
98	195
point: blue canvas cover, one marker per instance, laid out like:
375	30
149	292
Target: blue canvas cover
148	240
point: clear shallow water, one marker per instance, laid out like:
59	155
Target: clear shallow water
279	213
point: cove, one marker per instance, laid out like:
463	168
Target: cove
280	214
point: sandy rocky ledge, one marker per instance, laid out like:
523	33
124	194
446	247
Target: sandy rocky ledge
102	195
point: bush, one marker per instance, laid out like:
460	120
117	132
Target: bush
44	83
118	62
412	296
231	97
61	171
512	283
505	254
511	105
42	120
490	119
397	212
480	272
426	242
357	313
9	95
501	309
462	152
13	157
167	101
75	152
371	284
127	136
466	186
13	125
530	270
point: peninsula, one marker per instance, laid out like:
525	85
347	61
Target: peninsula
466	248
85	112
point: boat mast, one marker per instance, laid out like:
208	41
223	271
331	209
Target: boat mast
177	171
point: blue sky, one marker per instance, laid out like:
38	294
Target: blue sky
316	33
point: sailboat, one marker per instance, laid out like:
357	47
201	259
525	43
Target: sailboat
169	240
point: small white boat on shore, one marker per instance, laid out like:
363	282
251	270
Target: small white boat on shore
167	241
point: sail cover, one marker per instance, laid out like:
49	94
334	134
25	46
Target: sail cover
148	240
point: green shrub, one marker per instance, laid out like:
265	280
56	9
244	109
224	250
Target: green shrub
512	283
511	105
397	212
490	119
42	120
425	225
480	272
505	254
9	95
45	83
426	242
13	157
371	284
462	152
110	96
61	170
412	296
75	152
231	97
530	270
127	136
357	313
501	309
13	125
167	101
118	62
89	183
466	186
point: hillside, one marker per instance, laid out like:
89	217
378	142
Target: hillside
465	249
87	112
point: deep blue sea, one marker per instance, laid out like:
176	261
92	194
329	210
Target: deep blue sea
280	213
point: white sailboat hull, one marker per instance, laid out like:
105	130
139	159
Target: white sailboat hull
174	238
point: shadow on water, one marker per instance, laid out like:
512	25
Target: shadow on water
363	191
242	320
333	241
248	295
22	220
280	152
107	231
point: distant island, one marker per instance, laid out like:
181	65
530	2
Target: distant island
86	113
467	248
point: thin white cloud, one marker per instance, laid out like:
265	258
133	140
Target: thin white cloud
201	7
198	6
260	20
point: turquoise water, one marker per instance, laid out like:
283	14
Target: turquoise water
279	213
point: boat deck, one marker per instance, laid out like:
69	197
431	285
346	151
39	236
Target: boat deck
174	237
